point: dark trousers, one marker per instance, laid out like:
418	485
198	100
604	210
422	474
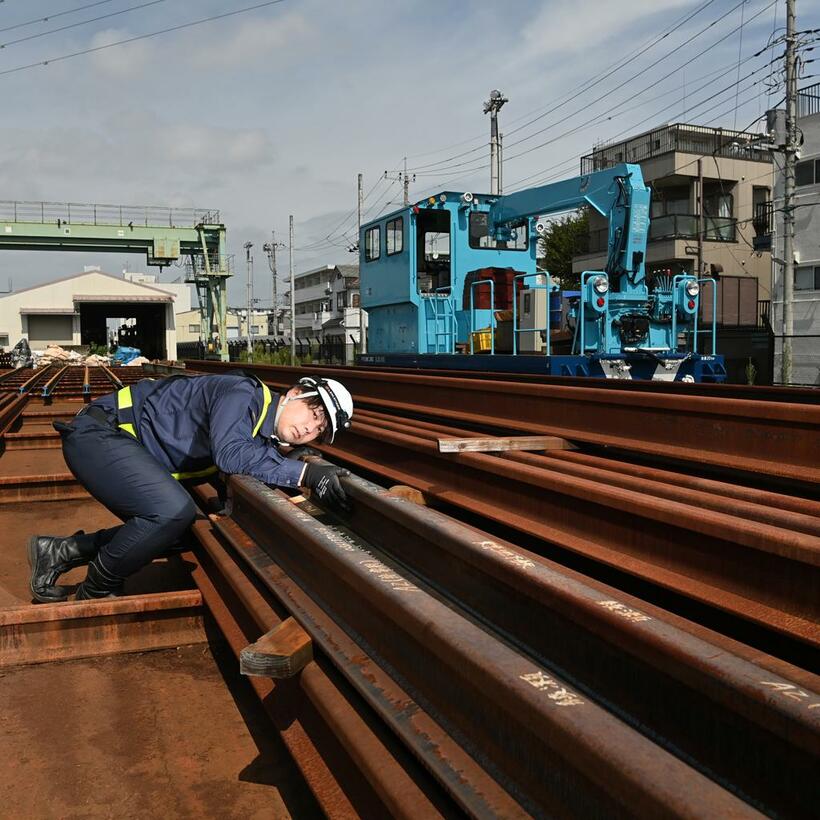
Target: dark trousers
120	473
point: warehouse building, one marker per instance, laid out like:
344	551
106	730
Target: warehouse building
76	311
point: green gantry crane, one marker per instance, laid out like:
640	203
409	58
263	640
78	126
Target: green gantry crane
165	235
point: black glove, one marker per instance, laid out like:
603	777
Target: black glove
301	453
323	482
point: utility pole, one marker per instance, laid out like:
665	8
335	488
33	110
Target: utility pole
359	209
790	159
405	179
249	262
492	107
701	226
270	250
292	295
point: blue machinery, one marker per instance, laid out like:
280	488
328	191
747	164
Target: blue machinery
436	276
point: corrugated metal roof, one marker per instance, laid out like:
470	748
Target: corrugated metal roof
123	297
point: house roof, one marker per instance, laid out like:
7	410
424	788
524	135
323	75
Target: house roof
79	276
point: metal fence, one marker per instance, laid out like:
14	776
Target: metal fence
77	213
332	350
808	101
805	359
689	139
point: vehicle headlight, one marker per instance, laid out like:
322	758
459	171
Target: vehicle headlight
692	287
600	284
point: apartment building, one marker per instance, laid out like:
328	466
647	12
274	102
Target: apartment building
736	177
327	307
806	294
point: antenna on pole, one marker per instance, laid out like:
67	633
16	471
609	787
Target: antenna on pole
492	107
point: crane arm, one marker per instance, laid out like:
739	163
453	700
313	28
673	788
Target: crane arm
618	193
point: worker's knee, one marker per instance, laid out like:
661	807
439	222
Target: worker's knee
177	514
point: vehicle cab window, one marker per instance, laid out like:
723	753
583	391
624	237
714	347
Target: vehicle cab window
479	235
372	245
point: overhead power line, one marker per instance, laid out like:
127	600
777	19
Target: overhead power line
49	17
583	86
168	30
80	23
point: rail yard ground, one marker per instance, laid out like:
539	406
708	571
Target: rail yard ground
626	626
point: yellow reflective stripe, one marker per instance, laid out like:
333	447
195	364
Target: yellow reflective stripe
124	398
265	404
195	474
124	402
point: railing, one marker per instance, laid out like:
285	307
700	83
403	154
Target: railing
123	216
685	226
808	101
674	226
690	139
217	263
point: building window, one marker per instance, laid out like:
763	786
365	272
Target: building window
807	277
4	340
193	328
805	172
354	300
341	301
372	250
394	238
481	239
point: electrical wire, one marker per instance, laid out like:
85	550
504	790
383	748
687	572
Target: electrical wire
54	16
603	96
77	25
169	29
615	107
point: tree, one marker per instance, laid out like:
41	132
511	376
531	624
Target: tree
563	239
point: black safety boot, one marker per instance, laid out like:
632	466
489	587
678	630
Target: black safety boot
49	556
99	583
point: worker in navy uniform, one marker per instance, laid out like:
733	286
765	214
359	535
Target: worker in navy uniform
133	449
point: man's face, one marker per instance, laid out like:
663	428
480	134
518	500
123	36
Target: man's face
299	423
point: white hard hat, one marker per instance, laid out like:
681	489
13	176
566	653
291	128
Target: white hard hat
337	401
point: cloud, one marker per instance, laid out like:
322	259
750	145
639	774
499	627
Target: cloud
249	41
585	24
121	61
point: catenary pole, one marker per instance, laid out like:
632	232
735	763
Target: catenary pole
790	158
249	262
292	295
359	209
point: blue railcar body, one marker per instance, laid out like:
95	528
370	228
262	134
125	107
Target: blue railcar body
426	269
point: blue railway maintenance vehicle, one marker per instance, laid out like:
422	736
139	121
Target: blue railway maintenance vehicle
451	283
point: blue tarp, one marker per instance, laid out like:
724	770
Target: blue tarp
123	355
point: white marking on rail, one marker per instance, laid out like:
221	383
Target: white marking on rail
633	615
507	554
789	690
557	693
388	576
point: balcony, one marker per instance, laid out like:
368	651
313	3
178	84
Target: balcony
762	221
675	226
688	139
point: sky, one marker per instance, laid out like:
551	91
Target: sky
275	111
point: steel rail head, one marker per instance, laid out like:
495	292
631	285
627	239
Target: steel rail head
550	746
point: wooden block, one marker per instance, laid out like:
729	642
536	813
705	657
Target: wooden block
281	653
408	494
492	444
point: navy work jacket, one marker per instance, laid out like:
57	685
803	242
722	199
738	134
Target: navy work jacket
189	423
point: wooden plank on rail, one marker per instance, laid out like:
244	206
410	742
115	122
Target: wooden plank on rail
281	653
494	444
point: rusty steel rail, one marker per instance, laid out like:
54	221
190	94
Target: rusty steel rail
11	406
677	546
35	379
553	750
353	767
51	384
776	393
774	439
115	380
752	722
83	629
